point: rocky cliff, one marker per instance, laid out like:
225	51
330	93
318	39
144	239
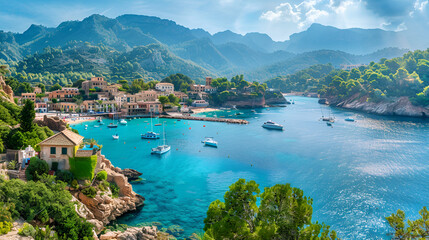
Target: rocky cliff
135	233
6	92
401	106
53	123
104	208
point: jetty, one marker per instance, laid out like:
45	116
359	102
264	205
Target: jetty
207	119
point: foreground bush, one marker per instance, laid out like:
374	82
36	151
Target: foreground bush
284	213
102	175
36	168
44	201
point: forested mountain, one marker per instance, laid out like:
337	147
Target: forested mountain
83	60
167	47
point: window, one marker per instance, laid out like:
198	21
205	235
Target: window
53	150
64	151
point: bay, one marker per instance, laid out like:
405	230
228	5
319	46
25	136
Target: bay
356	172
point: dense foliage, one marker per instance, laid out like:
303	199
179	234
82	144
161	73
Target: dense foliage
180	81
47	203
283	213
409	229
403	76
36	169
83	167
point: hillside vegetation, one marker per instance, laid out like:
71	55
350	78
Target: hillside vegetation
403	76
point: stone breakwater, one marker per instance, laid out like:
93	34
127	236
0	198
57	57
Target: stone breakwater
208	119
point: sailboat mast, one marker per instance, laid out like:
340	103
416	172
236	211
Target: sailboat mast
163	130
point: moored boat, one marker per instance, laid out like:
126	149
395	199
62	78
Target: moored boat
162	148
123	122
349	119
115	137
209	141
272	125
112	125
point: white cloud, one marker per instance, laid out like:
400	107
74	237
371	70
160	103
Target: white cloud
283	12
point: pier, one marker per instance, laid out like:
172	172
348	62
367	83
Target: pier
207	119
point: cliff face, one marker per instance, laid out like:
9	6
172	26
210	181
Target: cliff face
246	103
53	123
103	208
401	106
6	92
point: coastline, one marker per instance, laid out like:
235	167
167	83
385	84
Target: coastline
79	120
203	110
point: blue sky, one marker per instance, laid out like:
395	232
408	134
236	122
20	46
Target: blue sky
277	18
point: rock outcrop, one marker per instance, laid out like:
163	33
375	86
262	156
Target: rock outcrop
6	92
104	208
401	106
53	123
134	233
131	174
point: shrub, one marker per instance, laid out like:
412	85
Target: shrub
102	175
5	227
12	165
75	184
54	166
103	185
36	168
83	167
64	176
90	192
27	230
115	190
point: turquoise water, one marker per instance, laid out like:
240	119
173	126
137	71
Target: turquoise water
356	172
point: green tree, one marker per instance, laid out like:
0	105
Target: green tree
55	87
173	99
284	213
163	100
409	229
27	116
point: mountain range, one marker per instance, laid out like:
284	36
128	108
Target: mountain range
222	54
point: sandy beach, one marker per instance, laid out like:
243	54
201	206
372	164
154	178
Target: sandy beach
201	110
78	120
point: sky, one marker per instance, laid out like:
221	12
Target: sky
277	18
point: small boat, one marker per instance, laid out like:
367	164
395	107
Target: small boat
86	126
158	124
96	126
253	111
150	135
209	141
272	125
123	122
293	102
100	121
329	124
111	125
162	148
239	113
328	119
115	137
349	119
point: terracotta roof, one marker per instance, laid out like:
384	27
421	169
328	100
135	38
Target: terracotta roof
63	138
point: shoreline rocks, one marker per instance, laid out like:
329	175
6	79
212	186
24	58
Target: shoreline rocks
104	208
131	174
401	106
53	123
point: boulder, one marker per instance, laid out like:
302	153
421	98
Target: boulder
53	123
131	174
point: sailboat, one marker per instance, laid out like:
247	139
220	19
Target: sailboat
327	119
112	125
151	134
162	148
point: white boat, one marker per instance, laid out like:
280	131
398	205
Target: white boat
162	148
151	134
86	126
115	137
209	141
272	125
253	111
96	126
123	122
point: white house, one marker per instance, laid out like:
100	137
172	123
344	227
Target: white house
165	87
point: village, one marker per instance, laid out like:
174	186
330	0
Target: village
98	96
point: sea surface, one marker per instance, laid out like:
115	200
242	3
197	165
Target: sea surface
356	172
